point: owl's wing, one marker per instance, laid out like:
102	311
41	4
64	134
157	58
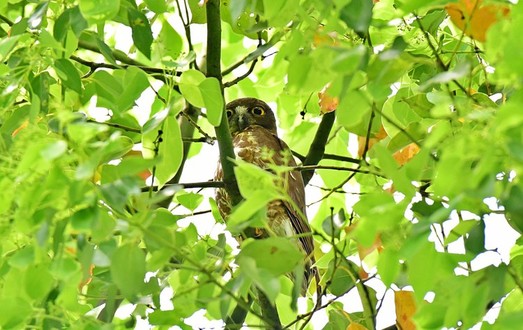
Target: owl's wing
248	145
297	213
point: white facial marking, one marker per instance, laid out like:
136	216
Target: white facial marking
241	110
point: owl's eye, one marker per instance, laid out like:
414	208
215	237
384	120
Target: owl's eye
229	113
257	111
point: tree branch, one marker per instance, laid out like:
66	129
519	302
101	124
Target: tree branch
223	134
317	149
94	66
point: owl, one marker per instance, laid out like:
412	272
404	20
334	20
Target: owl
255	140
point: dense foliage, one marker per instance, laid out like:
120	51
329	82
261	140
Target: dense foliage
408	112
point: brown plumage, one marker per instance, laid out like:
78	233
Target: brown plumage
253	129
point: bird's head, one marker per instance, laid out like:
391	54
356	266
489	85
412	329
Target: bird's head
245	112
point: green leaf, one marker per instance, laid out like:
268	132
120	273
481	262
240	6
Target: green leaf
156	120
264	279
22	258
280	12
251	212
40	86
158	6
15	311
341	277
159	317
348	60
461	70
333	223
338	319
64	268
170	41
37	17
354	112
252	179
357	14
277	255
514	207
70	19
99	11
190	81
213	100
420	104
390	167
141	31
409	6
68	74
38	282
134	83
388	266
53	150
117	193
189	200
128	270
170	151
108	88
378	212
475	242
8	44
129	166
199	14
83	219
462	228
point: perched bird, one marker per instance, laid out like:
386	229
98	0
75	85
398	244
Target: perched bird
255	140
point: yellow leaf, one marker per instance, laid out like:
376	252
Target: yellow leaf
356	326
404	155
405	309
365	251
373	139
474	18
321	38
327	102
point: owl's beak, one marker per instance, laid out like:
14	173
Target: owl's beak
242	123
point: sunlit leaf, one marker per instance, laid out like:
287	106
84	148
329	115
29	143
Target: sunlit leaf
99	10
405	309
189	86
37	17
128	270
158	6
357	15
68	74
212	99
142	35
341	276
277	255
474	17
189	200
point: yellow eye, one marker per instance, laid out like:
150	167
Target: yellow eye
229	113
257	111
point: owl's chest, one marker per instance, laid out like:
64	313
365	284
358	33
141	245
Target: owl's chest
259	147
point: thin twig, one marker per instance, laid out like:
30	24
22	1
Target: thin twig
94	66
243	76
401	129
200	130
336	168
7	20
189	185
